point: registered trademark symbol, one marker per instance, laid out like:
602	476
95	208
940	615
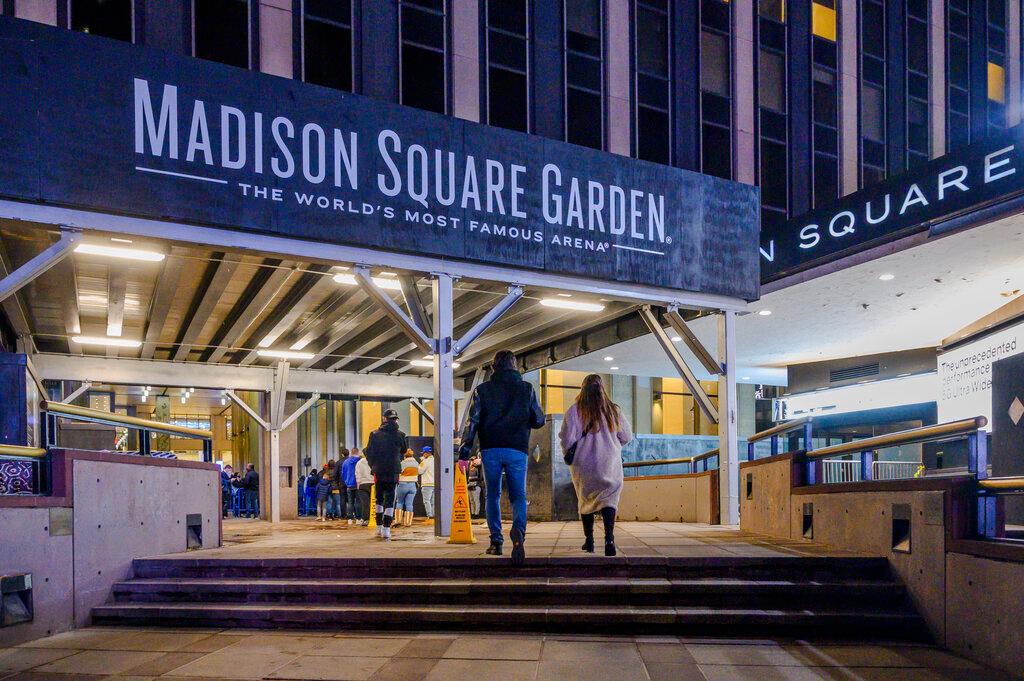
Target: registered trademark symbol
668	239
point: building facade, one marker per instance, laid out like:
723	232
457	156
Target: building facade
809	100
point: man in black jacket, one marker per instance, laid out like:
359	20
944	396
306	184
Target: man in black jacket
384	452
503	411
251	491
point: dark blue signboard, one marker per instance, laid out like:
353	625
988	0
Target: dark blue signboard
959	182
118	128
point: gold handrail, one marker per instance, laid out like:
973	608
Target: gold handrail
1002	483
667	462
781	428
106	417
903	437
18	450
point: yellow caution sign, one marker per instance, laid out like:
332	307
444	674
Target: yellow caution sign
462	525
373	507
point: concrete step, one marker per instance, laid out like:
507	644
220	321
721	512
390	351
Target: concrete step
850	624
516	591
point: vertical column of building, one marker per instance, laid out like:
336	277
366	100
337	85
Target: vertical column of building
849	87
798	66
43	11
896	86
1013	63
378	33
547	83
276	33
466	62
686	93
617	27
937	71
744	91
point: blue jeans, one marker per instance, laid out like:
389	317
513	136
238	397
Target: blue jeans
513	463
251	502
405	496
428	499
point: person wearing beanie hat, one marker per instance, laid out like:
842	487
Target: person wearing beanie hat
427	480
384	452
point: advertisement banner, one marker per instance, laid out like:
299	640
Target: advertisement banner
965	374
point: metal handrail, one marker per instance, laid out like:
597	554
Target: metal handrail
692	460
780	429
72	411
1008	483
903	437
18	451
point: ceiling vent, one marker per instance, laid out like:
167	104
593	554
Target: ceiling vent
853	373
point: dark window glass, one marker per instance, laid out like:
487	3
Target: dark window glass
714	66
872	113
772	81
652	81
424	68
773	174
958	81
826	179
918	143
327	43
773	171
222	31
772	9
653	135
108	18
716	91
507	64
584	73
716	151
584	118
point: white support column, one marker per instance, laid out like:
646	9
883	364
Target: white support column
276	51
444	402
728	449
744	97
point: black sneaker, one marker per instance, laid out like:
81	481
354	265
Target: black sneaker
494	549
518	550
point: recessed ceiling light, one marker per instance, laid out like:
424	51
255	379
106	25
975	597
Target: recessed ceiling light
614	368
565	295
120	241
119	252
676	339
764	313
745	378
382	282
284	354
103	340
571	305
886	277
608	358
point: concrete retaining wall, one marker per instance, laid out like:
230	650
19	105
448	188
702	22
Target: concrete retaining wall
108	509
672	498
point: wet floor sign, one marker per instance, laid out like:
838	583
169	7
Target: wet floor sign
462	525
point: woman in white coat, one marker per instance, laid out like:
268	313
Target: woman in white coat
598	428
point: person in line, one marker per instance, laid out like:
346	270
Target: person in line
251	491
225	488
504	409
348	477
337	510
426	470
384	452
312	480
598	428
324	488
405	495
473	478
364	481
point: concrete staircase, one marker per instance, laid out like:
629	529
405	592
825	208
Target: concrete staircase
807	598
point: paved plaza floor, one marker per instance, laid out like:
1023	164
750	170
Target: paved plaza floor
308	537
122	654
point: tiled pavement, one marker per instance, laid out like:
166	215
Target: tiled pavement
122	654
309	538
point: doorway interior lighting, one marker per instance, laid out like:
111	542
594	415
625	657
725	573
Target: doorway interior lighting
284	354
103	340
383	282
428	363
119	252
571	304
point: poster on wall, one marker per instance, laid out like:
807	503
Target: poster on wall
965	374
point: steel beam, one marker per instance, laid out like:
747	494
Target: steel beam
81	390
413	303
16	312
164	289
679	325
392	309
478	377
493	315
444	402
300	411
728	436
247	409
253	310
422	409
38	265
703	401
224	269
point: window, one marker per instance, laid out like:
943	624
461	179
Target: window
674	410
653	83
917	46
772	114
872	92
772	9
424	55
327	43
823	19
508	74
715	85
824	114
996	68
584	73
221	31
958	76
108	18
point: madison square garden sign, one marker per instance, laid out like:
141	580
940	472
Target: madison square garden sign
101	125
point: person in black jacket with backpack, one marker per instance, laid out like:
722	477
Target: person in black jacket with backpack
384	452
504	410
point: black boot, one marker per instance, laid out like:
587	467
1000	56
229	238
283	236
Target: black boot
494	549
608	516
588	531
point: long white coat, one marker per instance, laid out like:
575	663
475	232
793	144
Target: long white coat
597	467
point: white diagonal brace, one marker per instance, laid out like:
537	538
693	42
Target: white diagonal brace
81	390
422	409
503	306
278	395
392	309
50	256
678	324
300	411
414	303
703	401
478	377
247	409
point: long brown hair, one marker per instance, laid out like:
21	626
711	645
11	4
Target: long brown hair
596	409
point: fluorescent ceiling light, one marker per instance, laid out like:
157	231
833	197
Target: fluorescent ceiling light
103	340
615	368
565	295
428	363
745	378
382	282
764	313
284	354
886	277
119	252
571	305
609	358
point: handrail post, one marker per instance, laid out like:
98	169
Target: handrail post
808	440
750	451
145	445
866	460
775	445
977	463
208	451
